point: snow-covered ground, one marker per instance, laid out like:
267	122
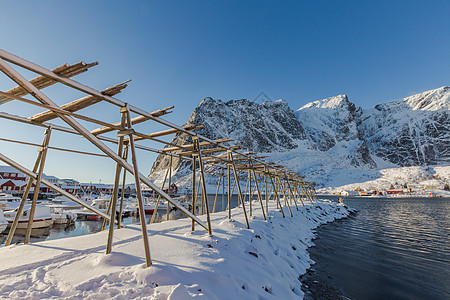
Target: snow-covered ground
420	180
263	262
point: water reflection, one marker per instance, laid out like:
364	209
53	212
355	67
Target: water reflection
391	249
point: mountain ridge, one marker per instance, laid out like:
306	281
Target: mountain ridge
411	131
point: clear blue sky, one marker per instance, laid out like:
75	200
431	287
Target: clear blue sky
178	52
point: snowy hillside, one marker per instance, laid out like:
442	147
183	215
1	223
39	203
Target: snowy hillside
332	125
331	141
420	180
412	131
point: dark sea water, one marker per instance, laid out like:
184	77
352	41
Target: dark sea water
392	248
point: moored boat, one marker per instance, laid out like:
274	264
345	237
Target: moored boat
42	217
3	221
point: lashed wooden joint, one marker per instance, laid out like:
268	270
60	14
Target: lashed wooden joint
125	132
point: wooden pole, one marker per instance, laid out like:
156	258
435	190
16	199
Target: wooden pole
38	184
257	187
197	193
284	194
246	186
276	194
122	196
250	195
202	176
138	191
193	190
217	194
305	191
14	75
169	187
298	193
267	194
290	190
12	230
159	198
113	201
223	189
50	185
236	178
229	190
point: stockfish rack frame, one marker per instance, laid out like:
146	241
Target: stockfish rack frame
228	158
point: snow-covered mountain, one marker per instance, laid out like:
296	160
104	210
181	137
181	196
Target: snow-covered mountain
333	123
412	131
330	140
268	127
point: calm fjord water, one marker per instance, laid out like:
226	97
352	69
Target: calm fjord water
392	248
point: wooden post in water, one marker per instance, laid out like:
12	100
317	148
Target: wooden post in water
113	202
12	230
159	198
122	196
38	184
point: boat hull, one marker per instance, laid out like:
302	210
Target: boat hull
38	223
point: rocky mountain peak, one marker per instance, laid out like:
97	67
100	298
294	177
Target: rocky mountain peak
332	102
432	100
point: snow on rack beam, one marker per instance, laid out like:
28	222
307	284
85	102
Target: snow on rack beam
81	103
41	82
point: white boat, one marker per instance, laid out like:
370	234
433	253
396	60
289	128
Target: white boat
8	197
100	203
62	203
63	217
3	222
42	217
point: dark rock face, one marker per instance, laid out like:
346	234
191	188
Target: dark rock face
267	127
414	131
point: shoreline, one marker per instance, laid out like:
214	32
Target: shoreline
185	264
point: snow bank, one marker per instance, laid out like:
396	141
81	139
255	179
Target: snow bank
421	180
263	262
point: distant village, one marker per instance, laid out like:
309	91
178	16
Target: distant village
14	182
